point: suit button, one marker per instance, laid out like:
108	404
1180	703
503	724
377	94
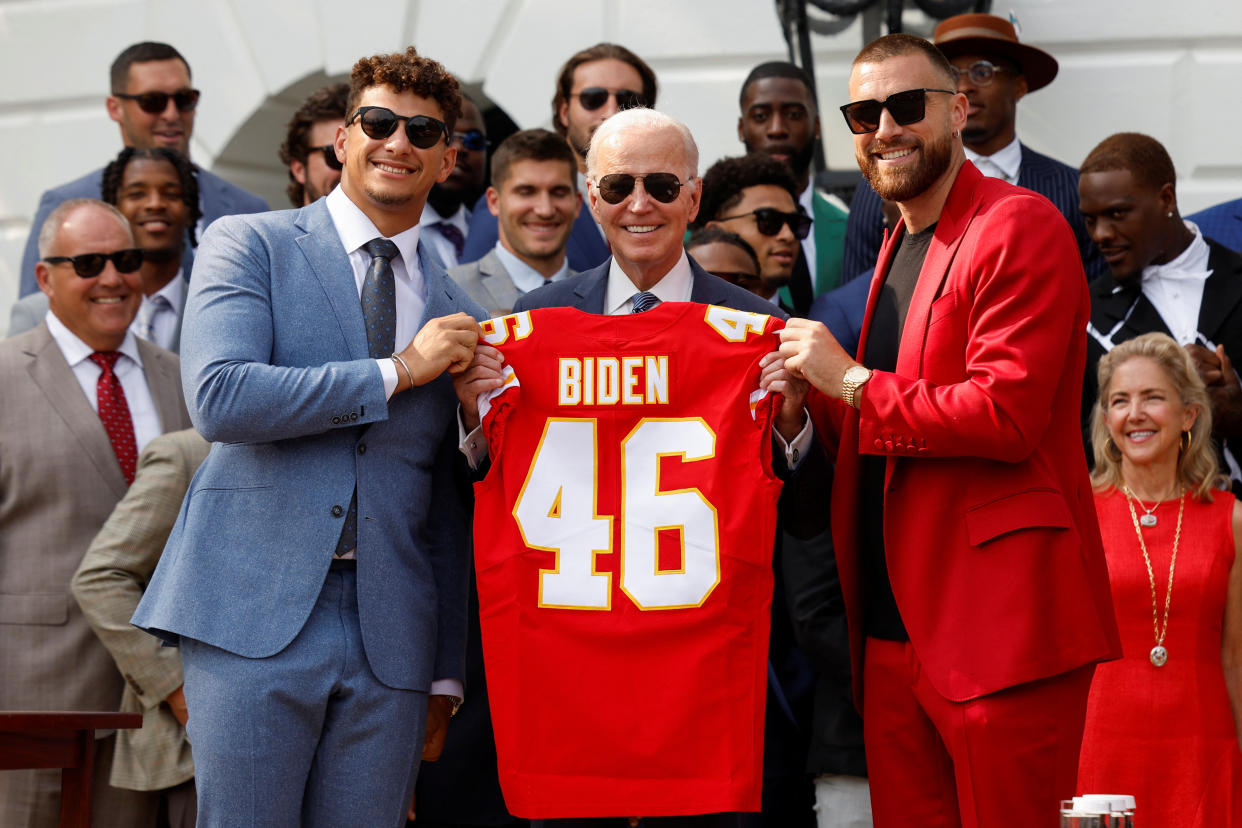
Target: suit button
337	511
888	445
362	448
913	449
879	444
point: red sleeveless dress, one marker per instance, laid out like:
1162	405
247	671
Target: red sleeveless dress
1166	734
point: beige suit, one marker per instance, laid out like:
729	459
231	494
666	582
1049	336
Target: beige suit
488	283
107	586
59	482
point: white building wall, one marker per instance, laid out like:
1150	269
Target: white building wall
1170	69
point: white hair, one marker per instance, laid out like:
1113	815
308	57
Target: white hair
643	119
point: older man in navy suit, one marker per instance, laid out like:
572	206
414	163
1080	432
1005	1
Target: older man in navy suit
153	104
316	578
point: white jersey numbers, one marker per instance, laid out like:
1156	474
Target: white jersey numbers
734	325
497	331
556	511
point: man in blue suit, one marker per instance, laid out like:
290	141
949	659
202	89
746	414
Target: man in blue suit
316	577
1222	223
153	104
591	87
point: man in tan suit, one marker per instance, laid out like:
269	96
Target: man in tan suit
82	396
107	586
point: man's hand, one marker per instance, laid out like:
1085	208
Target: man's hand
775	378
446	342
1216	370
176	702
811	353
482	375
439	711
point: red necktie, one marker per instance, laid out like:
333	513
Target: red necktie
114	412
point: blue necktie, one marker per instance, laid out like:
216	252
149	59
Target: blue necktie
644	301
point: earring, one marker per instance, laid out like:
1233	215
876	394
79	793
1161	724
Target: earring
1186	434
1170	214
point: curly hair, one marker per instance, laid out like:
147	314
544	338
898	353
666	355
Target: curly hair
600	51
725	180
1197	467
324	104
187	173
407	72
1144	157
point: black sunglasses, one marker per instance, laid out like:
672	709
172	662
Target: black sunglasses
379	122
593	97
471	139
663	187
329	155
907	107
980	72
153	103
90	265
769	221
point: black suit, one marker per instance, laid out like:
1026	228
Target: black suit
1050	178
1124	312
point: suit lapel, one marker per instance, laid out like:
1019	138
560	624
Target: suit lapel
591	289
439	300
163	380
496	281
1221	292
328	262
55	379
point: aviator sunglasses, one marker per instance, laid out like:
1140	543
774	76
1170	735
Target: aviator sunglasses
907	108
769	220
90	265
379	122
153	103
661	186
593	97
329	155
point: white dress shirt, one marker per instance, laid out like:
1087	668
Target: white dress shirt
355	229
128	370
1175	289
439	243
157	318
807	202
526	278
1003	164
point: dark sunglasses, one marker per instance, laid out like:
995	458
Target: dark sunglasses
593	97
663	187
471	139
90	265
153	103
379	122
736	277
980	72
907	107
769	221
329	155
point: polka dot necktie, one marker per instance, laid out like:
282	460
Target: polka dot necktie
379	298
114	413
644	301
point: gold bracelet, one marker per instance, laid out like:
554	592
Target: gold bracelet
401	362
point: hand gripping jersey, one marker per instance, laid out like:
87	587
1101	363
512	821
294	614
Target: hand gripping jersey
623	541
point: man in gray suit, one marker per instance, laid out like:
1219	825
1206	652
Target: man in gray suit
534	197
153	104
316	577
82	396
157	190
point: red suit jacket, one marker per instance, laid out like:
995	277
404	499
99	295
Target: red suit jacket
990	531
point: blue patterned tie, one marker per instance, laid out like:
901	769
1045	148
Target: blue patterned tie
644	301
379	298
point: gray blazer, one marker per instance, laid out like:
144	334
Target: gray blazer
107	586
59	482
276	367
488	283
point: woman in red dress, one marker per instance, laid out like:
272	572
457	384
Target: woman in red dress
1163	723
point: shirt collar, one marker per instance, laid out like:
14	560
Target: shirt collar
355	229
459	219
1191	263
76	351
173	292
674	286
525	277
1008	160
807	199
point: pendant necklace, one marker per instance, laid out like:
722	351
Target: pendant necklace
1159	655
1149	517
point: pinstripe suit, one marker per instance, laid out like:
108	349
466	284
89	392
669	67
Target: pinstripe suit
107	586
1050	178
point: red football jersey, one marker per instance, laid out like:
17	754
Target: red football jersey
623	542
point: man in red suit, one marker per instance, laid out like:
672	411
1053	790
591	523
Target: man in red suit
975	586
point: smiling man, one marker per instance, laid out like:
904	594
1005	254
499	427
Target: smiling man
317	587
976	592
447	214
153	103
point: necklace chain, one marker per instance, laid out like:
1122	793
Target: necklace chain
1158	629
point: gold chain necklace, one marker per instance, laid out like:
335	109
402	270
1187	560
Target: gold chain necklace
1159	655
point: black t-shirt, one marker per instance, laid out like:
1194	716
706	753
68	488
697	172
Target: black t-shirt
881	619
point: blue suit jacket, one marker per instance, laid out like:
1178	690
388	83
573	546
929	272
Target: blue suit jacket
1222	223
1050	178
585	249
276	372
217	197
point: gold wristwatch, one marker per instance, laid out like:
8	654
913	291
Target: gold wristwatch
855	377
